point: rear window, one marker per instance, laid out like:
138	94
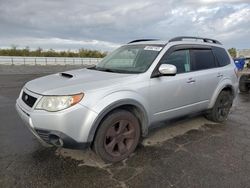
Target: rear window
221	56
202	59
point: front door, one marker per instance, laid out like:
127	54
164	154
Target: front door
173	96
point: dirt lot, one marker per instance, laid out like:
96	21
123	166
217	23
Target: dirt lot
189	152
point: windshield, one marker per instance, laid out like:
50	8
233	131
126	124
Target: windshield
130	59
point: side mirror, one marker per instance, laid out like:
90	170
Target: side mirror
167	70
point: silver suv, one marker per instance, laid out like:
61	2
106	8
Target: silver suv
110	106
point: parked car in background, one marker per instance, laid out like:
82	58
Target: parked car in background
244	74
109	107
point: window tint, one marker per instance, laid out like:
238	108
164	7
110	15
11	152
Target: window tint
222	56
202	59
180	59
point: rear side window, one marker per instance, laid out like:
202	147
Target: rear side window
202	59
180	59
221	56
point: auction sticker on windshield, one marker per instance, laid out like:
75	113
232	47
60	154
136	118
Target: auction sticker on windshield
153	48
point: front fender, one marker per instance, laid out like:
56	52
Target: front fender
116	99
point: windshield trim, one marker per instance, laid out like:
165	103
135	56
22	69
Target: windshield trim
114	70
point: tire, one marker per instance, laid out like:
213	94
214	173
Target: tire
243	85
117	137
221	108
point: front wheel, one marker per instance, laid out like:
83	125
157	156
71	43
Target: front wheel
117	136
221	108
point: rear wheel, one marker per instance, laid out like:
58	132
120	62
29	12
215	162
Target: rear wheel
221	107
117	136
243	85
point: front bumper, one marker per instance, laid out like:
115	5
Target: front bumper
68	128
27	121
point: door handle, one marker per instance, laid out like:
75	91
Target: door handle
190	80
219	75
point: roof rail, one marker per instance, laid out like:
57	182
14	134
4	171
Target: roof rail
141	40
197	38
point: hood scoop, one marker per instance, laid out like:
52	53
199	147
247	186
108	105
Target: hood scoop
66	75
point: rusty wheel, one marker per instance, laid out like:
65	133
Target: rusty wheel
117	136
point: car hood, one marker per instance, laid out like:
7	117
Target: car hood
75	81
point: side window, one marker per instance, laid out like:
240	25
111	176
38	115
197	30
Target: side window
221	56
202	59
180	59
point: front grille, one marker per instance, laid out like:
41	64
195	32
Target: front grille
43	135
28	99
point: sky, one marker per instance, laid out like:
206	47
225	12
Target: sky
105	25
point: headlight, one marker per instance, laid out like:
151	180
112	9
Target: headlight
57	103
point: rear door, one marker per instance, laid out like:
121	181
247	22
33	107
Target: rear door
205	68
225	69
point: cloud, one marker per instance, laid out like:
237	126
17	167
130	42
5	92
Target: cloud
63	24
59	44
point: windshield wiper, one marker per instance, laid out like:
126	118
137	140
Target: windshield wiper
105	69
100	69
92	67
113	70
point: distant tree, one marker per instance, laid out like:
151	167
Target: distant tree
14	47
232	52
38	52
50	53
14	51
26	51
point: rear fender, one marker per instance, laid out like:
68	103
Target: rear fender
226	83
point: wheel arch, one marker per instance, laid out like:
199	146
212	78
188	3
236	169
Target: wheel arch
128	104
226	86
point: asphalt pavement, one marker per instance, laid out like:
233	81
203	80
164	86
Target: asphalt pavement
191	152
